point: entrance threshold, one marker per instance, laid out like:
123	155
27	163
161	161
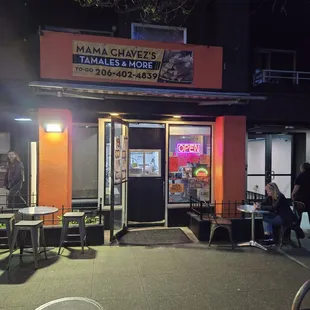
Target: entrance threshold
146	224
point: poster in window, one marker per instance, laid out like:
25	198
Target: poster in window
173	164
176	188
205	159
124	152
117	160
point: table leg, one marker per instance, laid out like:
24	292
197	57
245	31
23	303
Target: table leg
253	226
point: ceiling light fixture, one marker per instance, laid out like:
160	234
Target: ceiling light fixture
23	119
54	127
176	116
114	114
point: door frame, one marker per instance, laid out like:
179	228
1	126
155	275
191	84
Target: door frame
269	173
123	183
101	159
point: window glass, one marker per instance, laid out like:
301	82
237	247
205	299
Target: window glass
84	162
158	33
144	163
189	163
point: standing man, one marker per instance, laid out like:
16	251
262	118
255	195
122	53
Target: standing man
14	179
301	191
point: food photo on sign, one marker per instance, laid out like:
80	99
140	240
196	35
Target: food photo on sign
177	67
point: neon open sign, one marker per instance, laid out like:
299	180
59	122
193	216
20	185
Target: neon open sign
189	148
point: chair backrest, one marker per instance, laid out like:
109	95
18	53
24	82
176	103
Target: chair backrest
209	210
201	207
196	206
298	207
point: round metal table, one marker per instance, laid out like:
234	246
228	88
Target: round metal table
71	303
36	212
250	209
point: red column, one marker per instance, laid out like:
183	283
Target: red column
229	162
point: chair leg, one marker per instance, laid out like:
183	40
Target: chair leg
298	240
9	232
42	236
281	236
12	246
34	241
299	244
211	234
23	236
82	233
229	228
63	234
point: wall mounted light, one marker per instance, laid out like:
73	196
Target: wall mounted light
54	127
23	119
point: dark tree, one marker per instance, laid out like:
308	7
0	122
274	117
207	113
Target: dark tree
150	11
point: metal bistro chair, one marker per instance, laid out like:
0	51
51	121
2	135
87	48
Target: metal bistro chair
8	219
68	217
36	229
298	206
217	222
300	295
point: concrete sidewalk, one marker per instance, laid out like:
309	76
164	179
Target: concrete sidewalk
190	276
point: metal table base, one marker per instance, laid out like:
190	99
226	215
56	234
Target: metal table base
252	242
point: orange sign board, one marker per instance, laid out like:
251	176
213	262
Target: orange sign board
89	58
176	188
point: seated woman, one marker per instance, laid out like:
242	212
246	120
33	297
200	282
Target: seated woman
280	211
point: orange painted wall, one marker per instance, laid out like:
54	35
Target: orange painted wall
56	59
229	162
55	160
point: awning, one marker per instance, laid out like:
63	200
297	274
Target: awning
101	92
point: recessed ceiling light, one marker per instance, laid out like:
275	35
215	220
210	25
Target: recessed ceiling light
176	116
23	119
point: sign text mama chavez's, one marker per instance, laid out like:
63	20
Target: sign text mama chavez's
116	61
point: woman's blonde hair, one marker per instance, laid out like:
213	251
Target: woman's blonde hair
275	190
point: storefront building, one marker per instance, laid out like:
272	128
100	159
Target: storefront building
152	164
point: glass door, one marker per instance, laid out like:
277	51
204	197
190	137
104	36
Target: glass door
118	176
281	163
269	159
256	167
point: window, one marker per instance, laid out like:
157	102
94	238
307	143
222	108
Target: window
144	163
158	33
189	163
84	162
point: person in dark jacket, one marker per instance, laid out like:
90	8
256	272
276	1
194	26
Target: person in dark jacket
301	190
280	211
14	179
